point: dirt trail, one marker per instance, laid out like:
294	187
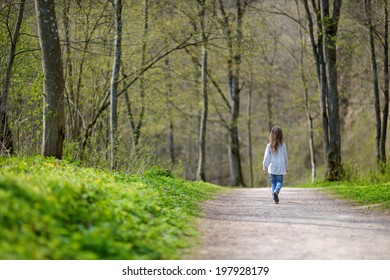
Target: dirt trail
306	224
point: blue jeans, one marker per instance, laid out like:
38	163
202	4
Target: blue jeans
276	182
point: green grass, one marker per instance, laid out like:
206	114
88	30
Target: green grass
52	209
361	193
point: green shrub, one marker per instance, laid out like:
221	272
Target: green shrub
156	171
52	209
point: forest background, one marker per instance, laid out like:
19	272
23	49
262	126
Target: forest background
199	86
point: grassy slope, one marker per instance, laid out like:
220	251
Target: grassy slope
361	193
52	209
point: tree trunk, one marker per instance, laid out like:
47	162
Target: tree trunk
317	47
375	80
69	70
53	116
114	84
136	128
385	115
187	172
137	131
249	116
306	98
6	143
269	107
171	147
234	64
330	31
324	51
203	124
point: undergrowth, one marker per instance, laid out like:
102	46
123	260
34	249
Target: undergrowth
52	209
369	188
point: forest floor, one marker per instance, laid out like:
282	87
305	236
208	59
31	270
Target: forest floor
306	224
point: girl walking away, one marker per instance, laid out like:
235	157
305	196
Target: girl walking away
275	161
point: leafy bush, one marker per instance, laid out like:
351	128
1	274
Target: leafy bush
52	209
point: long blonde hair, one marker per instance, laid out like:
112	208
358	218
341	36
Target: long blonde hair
275	138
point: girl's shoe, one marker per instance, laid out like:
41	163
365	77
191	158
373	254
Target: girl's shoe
275	196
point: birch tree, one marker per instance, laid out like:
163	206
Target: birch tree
203	123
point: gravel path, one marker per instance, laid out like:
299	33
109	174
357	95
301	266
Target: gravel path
306	224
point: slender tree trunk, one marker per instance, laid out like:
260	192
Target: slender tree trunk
318	53
69	70
114	84
136	128
171	147
188	162
306	98
78	121
249	115
221	152
386	83
203	123
236	92
269	108
137	131
53	116
234	64
375	80
6	143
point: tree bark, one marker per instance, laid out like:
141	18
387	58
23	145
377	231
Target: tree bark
306	98
203	123
385	115
137	131
375	80
330	31
171	147
234	64
69	70
114	84
324	51
249	124
318	53
53	116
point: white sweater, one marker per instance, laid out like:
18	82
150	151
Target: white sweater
276	162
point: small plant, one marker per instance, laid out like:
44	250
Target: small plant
157	171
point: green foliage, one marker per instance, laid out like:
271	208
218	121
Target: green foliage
363	193
363	186
52	209
360	192
156	171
